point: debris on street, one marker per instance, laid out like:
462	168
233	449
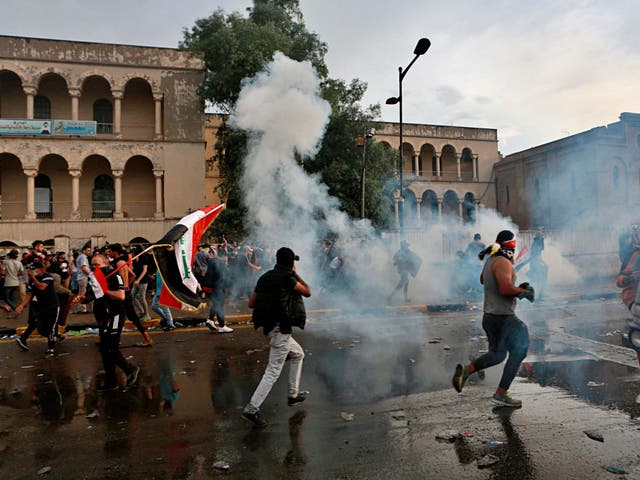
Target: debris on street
44	470
593	435
487	461
595	384
615	470
222	465
347	417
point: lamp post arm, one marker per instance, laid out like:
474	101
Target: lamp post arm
404	72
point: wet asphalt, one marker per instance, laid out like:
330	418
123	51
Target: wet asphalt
380	403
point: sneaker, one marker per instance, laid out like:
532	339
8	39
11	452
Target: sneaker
506	400
225	329
297	400
168	328
60	338
255	419
133	377
49	353
22	344
459	378
211	325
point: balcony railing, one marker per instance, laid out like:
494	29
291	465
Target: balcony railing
104	128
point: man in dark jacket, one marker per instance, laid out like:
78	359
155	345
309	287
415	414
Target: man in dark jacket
214	283
272	301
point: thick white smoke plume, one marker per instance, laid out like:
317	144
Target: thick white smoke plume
282	112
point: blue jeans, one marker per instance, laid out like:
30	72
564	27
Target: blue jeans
164	312
217	306
506	334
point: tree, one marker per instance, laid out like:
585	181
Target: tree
235	47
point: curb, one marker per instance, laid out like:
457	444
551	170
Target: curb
246	317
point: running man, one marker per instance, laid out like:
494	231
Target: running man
506	333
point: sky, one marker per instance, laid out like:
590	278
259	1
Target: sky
535	71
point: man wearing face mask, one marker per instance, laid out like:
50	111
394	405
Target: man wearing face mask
506	333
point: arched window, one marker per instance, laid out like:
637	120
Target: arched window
103	115
41	108
43	196
616	177
103	197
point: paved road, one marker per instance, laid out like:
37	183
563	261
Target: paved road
381	368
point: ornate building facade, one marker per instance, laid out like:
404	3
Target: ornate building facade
97	141
447	170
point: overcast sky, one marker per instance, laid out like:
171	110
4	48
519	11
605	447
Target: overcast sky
535	71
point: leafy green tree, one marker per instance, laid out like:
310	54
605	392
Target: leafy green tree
235	47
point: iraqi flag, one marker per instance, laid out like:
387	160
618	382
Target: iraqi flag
98	283
174	254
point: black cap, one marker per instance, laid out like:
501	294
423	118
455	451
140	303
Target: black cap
505	236
285	257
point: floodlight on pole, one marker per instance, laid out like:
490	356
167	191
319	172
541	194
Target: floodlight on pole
421	48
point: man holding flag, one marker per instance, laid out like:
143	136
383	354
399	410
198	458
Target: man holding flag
107	293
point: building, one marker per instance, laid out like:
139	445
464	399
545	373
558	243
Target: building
584	181
97	141
447	170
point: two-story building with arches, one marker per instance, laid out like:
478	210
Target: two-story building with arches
447	170
97	140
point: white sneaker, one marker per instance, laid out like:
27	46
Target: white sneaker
225	329
211	325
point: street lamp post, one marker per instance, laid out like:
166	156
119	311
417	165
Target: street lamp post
364	138
421	48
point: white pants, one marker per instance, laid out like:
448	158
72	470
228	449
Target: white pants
281	345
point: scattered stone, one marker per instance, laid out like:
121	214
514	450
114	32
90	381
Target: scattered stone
27	366
593	435
192	362
446	347
221	465
435	340
595	384
487	461
347	417
44	470
411	360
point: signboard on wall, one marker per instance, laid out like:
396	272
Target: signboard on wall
24	127
74	127
81	128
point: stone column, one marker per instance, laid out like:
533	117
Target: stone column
458	166
117	112
439	209
117	176
31	194
157	98
75	193
418	214
476	171
159	213
396	201
460	212
416	163
30	92
438	166
75	97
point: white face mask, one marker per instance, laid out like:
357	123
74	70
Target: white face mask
509	254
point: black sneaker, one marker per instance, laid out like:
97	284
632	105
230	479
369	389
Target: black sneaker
459	378
255	419
168	328
49	353
297	400
22	344
132	378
